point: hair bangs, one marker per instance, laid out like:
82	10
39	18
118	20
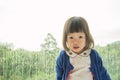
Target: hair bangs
75	26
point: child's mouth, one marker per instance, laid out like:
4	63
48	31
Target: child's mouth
76	47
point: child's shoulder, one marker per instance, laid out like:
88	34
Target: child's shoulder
62	56
94	52
62	53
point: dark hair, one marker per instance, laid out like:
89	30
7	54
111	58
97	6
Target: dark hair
77	24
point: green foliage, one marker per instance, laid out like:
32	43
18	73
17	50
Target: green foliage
21	64
1	78
42	76
16	77
111	58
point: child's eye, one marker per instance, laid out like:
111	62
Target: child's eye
70	37
80	37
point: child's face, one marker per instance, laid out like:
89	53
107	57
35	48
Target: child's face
76	41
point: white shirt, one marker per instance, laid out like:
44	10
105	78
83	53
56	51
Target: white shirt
81	64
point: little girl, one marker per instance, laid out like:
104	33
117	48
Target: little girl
78	60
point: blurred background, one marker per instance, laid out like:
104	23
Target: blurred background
31	35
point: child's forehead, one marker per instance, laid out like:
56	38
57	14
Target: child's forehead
76	33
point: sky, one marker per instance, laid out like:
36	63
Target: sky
25	23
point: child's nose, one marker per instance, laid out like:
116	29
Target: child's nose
76	41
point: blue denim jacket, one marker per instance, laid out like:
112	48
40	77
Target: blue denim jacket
63	66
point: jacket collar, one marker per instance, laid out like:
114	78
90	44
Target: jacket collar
84	53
